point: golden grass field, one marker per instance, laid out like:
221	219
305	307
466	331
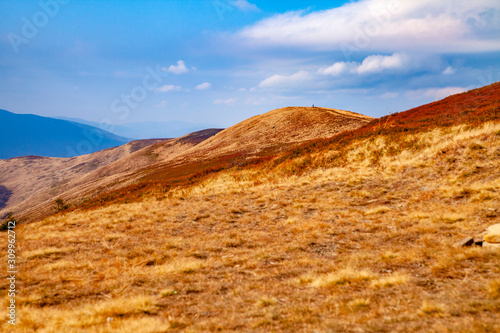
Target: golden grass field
360	247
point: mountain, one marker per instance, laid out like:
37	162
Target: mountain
277	129
307	138
28	134
36	182
33	183
263	135
148	129
377	228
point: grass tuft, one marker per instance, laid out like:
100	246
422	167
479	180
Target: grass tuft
432	309
494	289
391	280
344	276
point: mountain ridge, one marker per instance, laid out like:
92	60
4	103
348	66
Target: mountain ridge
29	134
176	160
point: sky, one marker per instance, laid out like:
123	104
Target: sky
222	61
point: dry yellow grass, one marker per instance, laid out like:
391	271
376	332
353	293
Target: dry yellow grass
391	280
432	309
494	288
46	252
95	316
344	276
358	247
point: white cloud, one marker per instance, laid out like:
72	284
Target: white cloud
168	88
230	101
179	69
449	71
298	79
244	5
379	63
204	86
338	68
372	64
418	25
435	93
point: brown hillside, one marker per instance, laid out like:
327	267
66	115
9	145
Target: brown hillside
470	108
261	136
36	182
279	128
76	181
353	233
26	176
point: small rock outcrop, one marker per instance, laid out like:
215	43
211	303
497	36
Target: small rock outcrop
487	239
492	237
467	241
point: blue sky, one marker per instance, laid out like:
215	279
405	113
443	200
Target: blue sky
223	61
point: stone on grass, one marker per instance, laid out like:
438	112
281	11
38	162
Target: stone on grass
493	229
492	234
478	241
467	241
492	238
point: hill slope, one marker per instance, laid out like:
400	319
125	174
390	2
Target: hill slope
35	182
348	234
264	135
27	176
27	134
279	128
169	162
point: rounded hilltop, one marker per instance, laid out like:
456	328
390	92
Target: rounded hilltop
283	126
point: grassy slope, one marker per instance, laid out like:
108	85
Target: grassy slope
31	179
36	182
347	234
251	141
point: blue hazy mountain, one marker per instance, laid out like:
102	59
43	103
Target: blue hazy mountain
28	134
148	129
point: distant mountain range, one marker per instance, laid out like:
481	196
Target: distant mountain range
28	134
148	129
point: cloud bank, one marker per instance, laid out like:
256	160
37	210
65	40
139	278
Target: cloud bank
371	65
424	25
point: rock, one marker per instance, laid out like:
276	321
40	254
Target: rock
493	229
492	238
467	241
478	241
492	234
491	245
